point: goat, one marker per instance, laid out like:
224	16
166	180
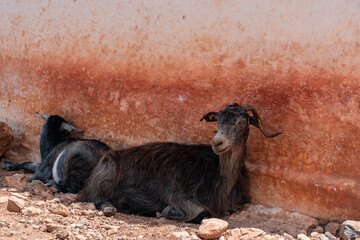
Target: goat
182	182
66	161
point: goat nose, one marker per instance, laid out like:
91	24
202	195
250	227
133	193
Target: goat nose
217	142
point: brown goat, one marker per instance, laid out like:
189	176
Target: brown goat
182	182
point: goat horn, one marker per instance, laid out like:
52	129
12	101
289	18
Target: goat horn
43	116
256	114
68	127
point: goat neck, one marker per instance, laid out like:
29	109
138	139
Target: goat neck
50	136
231	163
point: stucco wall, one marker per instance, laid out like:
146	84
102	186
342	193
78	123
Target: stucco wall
130	72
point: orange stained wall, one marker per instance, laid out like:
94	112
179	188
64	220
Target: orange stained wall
130	72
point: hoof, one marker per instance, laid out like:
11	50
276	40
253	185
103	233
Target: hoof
109	211
7	165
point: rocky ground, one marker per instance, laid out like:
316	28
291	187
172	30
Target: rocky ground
32	211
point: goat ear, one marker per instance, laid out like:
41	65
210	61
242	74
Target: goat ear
210	117
69	128
43	116
257	123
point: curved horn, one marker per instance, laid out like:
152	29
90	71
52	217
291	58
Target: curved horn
43	116
259	123
68	127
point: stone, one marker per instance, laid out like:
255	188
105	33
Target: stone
235	232
270	237
53	227
108	227
330	236
89	213
48	220
180	234
43	228
194	237
60	210
315	236
332	228
37	187
31	211
18	195
212	228
17	180
6	138
68	198
319	229
303	221
112	231
250	233
233	238
80	225
323	237
62	235
4	199
288	236
15	204
350	230
302	237
4	223
80	237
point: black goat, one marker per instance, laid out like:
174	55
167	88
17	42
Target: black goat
65	160
182	182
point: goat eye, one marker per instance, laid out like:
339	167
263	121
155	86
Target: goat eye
215	131
212	117
242	122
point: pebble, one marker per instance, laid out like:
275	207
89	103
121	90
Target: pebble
80	237
288	236
80	225
4	223
15	204
235	232
330	236
112	231
52	227
60	210
4	199
212	228
62	235
319	229
180	234
302	237
31	211
332	228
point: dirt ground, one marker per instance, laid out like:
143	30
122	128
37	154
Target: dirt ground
39	219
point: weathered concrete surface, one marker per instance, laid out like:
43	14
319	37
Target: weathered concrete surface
139	71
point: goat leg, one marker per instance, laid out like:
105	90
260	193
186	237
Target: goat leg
11	166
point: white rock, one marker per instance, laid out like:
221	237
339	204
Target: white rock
288	236
302	237
112	231
330	236
80	237
31	211
180	234
4	199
